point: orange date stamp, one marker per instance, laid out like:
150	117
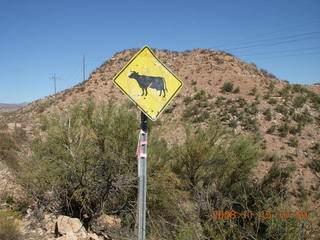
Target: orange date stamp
266	214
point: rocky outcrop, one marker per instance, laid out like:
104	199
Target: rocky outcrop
67	226
62	227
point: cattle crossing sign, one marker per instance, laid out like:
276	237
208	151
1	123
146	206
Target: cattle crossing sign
148	83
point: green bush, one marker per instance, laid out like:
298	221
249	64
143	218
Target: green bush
227	87
315	99
242	102
187	100
200	96
253	91
283	130
281	109
250	124
219	101
293	142
214	166
204	116
86	163
8	150
253	109
190	111
284	92
299	101
214	152
303	118
233	123
315	164
272	101
271	129
267	114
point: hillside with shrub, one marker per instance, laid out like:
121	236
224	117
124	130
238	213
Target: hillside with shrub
235	140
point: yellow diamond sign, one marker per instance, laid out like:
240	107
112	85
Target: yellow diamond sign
148	83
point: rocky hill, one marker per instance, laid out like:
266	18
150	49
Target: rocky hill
4	107
283	118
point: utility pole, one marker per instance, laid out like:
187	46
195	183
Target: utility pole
55	78
84	67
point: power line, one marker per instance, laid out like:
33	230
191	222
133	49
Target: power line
272	39
284	51
269	44
285	28
292	55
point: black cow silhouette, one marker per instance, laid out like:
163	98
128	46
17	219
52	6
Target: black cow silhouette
144	82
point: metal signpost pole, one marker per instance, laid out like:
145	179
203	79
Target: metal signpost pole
141	73
142	175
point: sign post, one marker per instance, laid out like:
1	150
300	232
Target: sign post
151	86
142	175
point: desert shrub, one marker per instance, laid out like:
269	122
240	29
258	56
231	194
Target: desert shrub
190	112
297	88
204	116
220	100
267	114
8	150
315	164
242	102
233	110
293	142
250	124
253	91
164	192
271	129
291	111
315	99
294	130
233	123
298	101
303	118
283	130
187	100
284	92
227	87
200	96
281	109
271	87
276	179
272	101
9	227
253	109
316	147
214	166
86	162
214	152
203	104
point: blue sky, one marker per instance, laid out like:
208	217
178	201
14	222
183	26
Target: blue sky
42	37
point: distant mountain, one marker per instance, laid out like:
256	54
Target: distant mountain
5	107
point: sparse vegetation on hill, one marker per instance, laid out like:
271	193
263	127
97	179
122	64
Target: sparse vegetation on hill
85	165
265	115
